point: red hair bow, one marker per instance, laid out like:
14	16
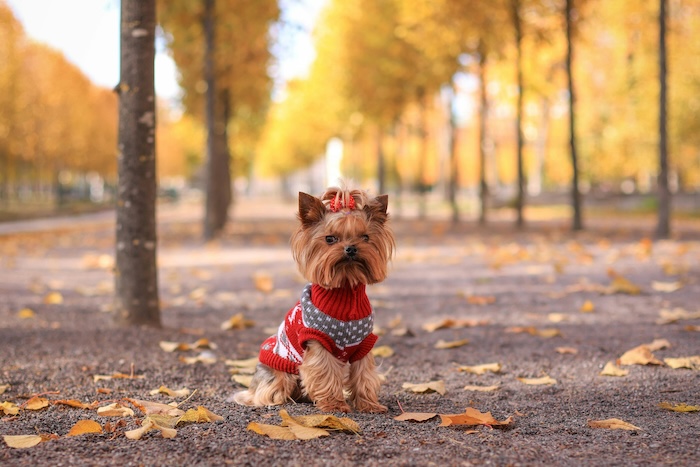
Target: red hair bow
337	204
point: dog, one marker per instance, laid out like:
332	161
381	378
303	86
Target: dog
322	348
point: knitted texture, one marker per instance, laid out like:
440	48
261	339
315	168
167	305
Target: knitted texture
340	319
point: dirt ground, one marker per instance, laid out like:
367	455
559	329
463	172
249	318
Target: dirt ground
500	280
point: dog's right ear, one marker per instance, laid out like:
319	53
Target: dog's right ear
311	209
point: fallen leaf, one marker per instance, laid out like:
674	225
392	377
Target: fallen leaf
587	307
9	408
116	375
621	285
22	441
147	425
263	282
441	344
545	333
658	344
692	328
481	369
272	431
26	313
642	354
75	403
566	350
383	351
243	380
610	369
415	416
679	407
691	363
85	426
206	358
247	363
667	287
36	403
200	415
453	323
237	321
482	388
612	424
53	298
184	392
202	343
480	300
538	381
432	386
115	410
473	417
150	408
676	314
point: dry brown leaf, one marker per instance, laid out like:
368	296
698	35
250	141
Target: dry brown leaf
692	328
36	403
263	282
415	416
676	314
441	344
481	299
85	426
481	369
22	441
679	407
545	333
473	417
658	344
495	387
431	386
26	313
587	307
383	351
200	415
202	343
667	287
544	380
557	317
147	425
206	358
327	421
691	363
150	408
75	403
53	298
453	323
610	369
622	285
272	431
9	408
566	350
642	354
612	424
184	392
115	410
237	321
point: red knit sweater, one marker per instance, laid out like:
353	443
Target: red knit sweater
340	319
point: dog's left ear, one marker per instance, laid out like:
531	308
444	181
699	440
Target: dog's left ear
311	209
377	209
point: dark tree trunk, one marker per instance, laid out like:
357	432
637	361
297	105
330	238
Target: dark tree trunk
483	116
577	220
663	228
423	156
520	197
136	276
453	184
381	163
217	176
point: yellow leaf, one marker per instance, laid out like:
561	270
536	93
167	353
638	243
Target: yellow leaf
415	416
557	317
621	285
481	369
263	282
666	286
587	307
480	300
566	350
611	369
53	298
612	424
320	421
545	333
22	441
85	426
679	407
206	358
115	410
75	403
237	321
9	408
538	381
432	386
272	431
184	392
305	432
676	314
453	323
243	380
147	425
640	355
383	351
473	417
25	313
150	408
36	403
482	388
441	344
200	415
248	363
691	363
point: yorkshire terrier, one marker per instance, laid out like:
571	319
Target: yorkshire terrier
322	347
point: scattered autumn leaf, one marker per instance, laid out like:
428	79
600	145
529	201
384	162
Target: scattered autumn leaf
691	363
199	415
482	388
692	328
622	285
150	408
566	350
327	421
557	317
202	343
243	380
415	416
642	354
36	403
473	417
26	313
679	407
263	282
453	323
116	375
441	344
610	369
272	431
237	321
184	392
544	380
9	408
53	298
85	426
115	410
22	441
587	307
431	386
383	351
75	403
676	314
545	333
206	358
612	424
667	287
247	363
481	369
481	299
147	425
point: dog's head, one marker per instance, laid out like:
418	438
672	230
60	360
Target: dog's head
343	238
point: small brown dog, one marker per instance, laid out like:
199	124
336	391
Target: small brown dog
341	245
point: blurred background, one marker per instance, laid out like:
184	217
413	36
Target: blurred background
455	108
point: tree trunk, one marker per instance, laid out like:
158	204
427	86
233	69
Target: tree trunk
453	185
520	197
577	219
663	228
423	155
136	277
381	163
483	117
217	176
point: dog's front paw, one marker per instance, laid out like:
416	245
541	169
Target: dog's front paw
370	407
333	406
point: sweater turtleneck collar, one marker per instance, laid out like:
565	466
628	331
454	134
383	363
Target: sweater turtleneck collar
344	303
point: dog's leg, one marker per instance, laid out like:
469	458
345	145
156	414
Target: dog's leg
269	387
322	376
364	385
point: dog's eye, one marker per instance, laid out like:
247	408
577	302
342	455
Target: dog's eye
365	238
330	239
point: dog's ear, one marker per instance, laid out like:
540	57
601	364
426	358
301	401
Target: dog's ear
311	209
383	201
377	209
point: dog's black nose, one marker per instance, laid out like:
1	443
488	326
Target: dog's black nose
351	251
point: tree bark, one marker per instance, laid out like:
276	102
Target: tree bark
381	163
577	215
520	197
483	117
136	277
663	228
453	185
